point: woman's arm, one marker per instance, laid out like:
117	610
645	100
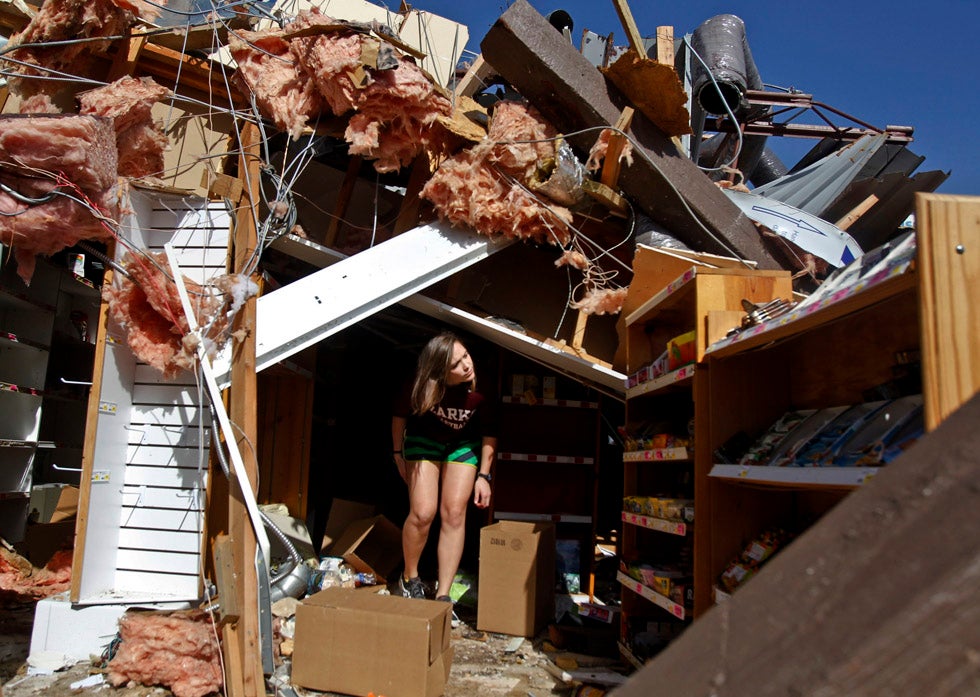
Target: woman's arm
397	442
481	489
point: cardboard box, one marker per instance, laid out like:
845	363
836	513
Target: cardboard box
357	643
517	577
343	513
372	546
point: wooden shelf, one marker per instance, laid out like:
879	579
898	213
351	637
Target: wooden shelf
540	401
553	459
657	455
628	654
660	601
12	340
676	379
672	527
796	477
815	316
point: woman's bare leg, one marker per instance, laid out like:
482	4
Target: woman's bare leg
423	502
457	488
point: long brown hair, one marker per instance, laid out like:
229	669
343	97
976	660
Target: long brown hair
433	367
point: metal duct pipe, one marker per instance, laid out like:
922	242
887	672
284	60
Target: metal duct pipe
721	43
561	21
768	168
728	71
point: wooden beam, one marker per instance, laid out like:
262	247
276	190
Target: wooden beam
475	78
855	213
224	572
343	200
126	57
948	237
665	45
408	213
241	411
91	428
612	163
574	96
632	33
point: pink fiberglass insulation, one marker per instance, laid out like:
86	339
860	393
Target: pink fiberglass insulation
129	102
316	65
65	20
22	581
147	305
66	167
269	72
39	103
178	650
395	113
484	187
601	301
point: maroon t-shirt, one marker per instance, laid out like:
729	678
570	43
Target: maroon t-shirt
462	414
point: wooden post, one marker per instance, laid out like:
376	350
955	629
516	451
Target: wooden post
665	45
343	200
947	228
242	401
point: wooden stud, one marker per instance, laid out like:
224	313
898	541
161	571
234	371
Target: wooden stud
855	213
579	334
408	214
343	200
242	396
125	61
948	232
88	445
220	185
612	163
632	33
475	78
665	45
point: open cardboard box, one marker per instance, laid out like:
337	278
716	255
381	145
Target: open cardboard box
371	545
356	643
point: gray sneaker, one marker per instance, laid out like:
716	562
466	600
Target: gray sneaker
447	599
411	588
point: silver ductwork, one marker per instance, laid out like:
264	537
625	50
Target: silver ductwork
728	70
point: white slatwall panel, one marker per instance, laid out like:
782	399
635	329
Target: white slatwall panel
157	556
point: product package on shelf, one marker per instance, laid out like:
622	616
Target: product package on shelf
753	557
679	509
668	580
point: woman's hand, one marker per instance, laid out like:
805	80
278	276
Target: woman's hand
481	493
400	464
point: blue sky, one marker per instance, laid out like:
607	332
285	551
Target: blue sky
884	62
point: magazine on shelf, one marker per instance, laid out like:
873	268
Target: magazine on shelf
786	453
822	447
866	447
761	450
890	258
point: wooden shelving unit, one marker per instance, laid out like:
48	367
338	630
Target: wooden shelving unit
836	353
548	455
707	301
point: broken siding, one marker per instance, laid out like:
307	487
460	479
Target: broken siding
145	519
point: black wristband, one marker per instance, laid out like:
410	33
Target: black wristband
397	452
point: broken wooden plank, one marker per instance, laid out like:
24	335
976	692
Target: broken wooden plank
612	164
571	93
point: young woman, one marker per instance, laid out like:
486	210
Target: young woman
444	434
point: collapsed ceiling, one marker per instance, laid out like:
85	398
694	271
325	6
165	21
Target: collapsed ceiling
359	142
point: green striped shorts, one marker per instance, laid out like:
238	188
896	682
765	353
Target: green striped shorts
465	452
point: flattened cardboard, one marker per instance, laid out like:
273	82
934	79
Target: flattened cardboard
371	545
343	513
353	642
517	577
